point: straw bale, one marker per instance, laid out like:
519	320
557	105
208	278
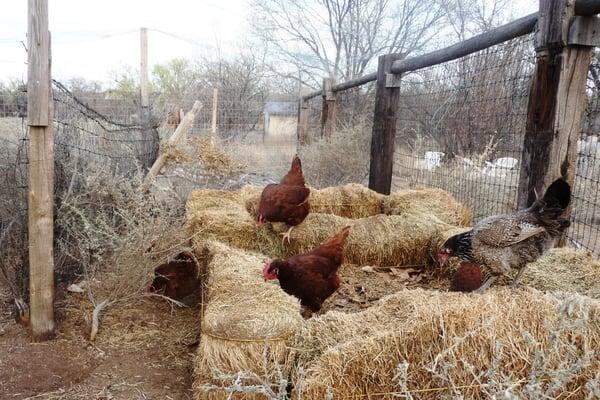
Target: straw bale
382	240
508	343
565	269
428	200
220	215
350	201
247	324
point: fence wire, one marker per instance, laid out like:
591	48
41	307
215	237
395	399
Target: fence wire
585	219
461	126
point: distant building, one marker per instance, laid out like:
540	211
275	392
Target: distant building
280	119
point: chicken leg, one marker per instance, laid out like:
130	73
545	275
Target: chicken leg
517	278
486	284
287	236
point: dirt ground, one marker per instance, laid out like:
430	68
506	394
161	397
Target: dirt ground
144	351
145	347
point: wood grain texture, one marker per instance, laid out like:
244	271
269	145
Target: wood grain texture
384	127
303	122
38	64
41	175
328	110
519	27
557	102
584	31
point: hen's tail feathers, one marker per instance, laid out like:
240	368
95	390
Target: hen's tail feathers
334	246
294	177
555	201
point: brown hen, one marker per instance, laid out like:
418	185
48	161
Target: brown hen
286	201
312	277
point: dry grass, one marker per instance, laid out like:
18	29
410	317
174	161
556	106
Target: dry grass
343	159
381	240
221	215
428	200
515	344
565	269
351	201
247	325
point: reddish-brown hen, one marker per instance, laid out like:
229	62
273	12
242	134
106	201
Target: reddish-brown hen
175	279
286	201
312	277
467	278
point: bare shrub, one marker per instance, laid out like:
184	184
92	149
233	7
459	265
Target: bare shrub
342	159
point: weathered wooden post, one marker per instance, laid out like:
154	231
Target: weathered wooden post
147	144
557	99
213	130
41	173
328	111
387	96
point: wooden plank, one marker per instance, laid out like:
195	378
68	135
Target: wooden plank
557	103
584	31
144	92
184	127
553	23
214	112
41	175
384	128
303	122
587	7
38	64
519	27
328	110
352	83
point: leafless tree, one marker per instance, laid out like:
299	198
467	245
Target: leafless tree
341	38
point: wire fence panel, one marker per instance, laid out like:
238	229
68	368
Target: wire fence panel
461	126
585	219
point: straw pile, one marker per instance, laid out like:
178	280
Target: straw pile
382	240
350	201
429	201
431	345
565	269
220	215
247	324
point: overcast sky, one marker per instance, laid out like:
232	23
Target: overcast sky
92	39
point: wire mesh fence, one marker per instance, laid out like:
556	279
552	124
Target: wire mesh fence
461	126
585	219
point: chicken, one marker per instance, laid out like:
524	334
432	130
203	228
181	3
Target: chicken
312	277
286	201
502	243
467	278
175	279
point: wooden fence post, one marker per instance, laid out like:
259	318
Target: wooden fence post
557	99
328	110
214	112
41	173
303	118
148	136
387	96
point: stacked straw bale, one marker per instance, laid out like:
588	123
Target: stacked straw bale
565	269
350	201
430	345
220	215
428	201
382	240
247	324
